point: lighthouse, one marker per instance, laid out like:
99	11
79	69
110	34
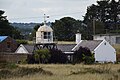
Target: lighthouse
44	36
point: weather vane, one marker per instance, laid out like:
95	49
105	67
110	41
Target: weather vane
45	18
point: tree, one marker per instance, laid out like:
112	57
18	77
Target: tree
66	28
42	55
33	34
6	29
83	54
106	12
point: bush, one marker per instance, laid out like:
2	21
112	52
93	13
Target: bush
30	59
83	54
47	56
42	55
22	41
88	59
57	56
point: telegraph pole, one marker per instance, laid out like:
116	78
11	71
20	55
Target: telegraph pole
93	26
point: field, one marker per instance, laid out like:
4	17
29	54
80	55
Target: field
72	72
69	71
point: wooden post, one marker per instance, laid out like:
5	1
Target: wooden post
93	26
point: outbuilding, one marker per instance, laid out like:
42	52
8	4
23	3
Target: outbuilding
103	51
7	44
111	38
25	49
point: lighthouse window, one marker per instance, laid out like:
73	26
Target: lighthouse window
47	35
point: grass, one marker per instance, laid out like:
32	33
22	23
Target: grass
66	42
72	72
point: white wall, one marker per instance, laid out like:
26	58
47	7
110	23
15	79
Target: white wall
110	39
78	38
21	50
105	53
99	37
40	38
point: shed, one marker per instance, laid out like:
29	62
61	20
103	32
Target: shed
25	49
7	44
111	38
103	51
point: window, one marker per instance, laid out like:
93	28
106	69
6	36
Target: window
47	35
105	43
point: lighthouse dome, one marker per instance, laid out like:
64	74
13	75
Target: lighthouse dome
45	28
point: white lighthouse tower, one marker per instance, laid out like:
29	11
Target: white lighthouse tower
44	33
44	37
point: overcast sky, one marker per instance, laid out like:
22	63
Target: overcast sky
33	10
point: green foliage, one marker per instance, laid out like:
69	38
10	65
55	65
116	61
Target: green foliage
42	55
57	56
88	59
47	56
5	73
5	27
6	65
23	62
83	54
106	13
33	33
22	41
66	28
22	71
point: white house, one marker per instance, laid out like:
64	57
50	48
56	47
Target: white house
103	51
111	38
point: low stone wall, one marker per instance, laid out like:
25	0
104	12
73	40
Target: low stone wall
12	57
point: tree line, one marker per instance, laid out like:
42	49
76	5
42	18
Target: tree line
106	14
100	18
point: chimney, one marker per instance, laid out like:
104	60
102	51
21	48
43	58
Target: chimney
78	37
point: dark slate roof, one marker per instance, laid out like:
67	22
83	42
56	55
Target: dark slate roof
62	47
29	48
3	38
66	47
91	44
